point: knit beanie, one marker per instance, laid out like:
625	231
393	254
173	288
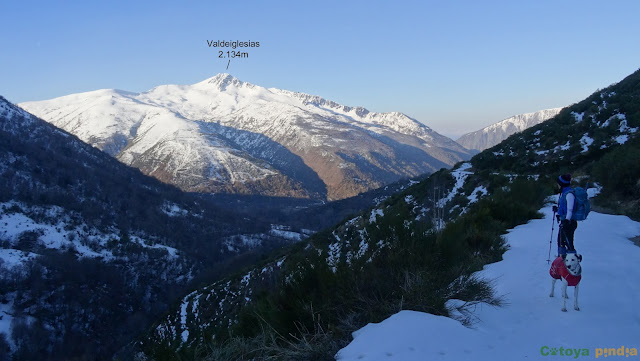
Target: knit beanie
564	180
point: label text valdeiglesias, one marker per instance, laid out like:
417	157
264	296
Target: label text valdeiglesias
233	44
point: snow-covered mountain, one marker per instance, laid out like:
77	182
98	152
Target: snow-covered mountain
489	136
225	135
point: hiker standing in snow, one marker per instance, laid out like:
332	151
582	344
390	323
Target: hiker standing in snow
565	207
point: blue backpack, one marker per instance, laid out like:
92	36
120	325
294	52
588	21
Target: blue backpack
581	207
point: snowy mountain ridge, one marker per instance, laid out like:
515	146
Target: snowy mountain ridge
226	135
395	120
495	133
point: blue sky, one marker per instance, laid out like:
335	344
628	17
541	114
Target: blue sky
457	66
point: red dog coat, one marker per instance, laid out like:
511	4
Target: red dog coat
559	270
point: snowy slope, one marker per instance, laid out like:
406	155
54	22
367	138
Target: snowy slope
531	325
225	135
489	136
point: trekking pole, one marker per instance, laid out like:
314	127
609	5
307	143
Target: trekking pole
553	220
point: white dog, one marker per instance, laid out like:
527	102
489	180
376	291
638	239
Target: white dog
567	268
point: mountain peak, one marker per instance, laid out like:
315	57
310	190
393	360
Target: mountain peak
222	80
495	133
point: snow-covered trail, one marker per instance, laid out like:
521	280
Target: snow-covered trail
531	325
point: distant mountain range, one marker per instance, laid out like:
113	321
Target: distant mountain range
489	136
223	135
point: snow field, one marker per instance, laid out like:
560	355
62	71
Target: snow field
531	325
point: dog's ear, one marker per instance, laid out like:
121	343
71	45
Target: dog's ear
580	257
564	256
